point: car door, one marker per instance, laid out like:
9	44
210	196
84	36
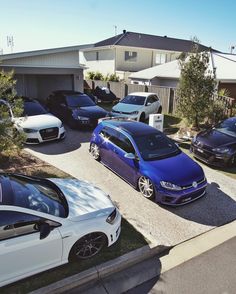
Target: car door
151	105
21	251
127	168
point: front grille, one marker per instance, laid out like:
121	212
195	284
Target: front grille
121	112
49	133
191	196
191	185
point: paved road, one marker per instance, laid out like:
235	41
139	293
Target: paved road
212	272
161	225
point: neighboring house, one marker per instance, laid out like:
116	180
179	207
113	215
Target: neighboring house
130	52
40	72
167	75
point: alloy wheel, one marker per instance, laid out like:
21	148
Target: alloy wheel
146	187
94	150
89	245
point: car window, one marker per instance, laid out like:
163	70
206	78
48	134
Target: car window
228	127
14	224
81	100
118	139
133	99
156	146
33	108
151	99
37	195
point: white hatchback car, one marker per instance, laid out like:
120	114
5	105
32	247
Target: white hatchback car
44	223
37	124
138	106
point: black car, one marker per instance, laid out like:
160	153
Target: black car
217	146
105	95
75	108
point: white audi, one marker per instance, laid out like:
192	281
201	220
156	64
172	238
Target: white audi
36	123
138	106
46	222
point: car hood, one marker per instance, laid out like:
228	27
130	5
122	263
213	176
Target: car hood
180	170
123	107
84	200
214	138
90	111
38	122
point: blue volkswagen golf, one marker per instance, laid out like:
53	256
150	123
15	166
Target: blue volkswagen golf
148	160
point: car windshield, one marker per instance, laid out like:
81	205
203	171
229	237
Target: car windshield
39	195
156	146
79	101
133	99
227	127
33	108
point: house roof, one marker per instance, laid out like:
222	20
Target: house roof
44	51
131	39
225	65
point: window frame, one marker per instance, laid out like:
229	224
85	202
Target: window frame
131	56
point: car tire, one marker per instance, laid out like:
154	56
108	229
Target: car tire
146	187
95	151
142	117
159	110
88	246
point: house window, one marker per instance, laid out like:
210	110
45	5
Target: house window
160	58
130	56
97	55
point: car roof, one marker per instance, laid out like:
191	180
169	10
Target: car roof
144	94
133	128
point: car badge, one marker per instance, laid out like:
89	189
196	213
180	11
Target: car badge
194	184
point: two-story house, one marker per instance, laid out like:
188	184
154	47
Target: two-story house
130	52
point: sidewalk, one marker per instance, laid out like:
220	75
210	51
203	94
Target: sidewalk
139	266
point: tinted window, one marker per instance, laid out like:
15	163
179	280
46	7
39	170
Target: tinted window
118	139
228	127
156	146
33	108
79	101
152	99
37	195
14	224
136	100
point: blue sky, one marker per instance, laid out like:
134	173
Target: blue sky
39	24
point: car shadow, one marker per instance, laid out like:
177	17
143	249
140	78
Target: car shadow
215	208
72	141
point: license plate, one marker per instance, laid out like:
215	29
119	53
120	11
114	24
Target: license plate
84	122
49	130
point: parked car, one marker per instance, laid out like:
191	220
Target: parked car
36	123
217	145
105	95
148	160
46	222
75	108
138	106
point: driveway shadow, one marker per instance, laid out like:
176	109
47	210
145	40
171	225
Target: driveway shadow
72	141
215	208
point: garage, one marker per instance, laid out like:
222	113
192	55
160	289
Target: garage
38	73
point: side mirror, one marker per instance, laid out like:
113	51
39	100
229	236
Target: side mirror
148	103
44	229
130	156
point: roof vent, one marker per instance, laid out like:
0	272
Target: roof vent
124	31
165	36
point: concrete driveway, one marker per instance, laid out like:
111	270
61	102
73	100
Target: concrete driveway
159	224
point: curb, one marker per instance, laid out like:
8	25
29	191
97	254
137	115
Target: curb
105	269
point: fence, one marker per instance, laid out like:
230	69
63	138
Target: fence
167	95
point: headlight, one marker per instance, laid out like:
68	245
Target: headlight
82	118
221	149
134	112
29	130
170	186
110	219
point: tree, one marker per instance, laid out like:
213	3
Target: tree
196	87
10	139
